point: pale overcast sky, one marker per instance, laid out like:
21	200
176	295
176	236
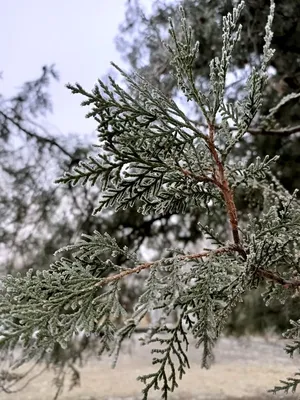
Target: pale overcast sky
77	36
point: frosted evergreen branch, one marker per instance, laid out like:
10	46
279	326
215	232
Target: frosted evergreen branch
71	301
170	260
282	102
200	311
213	236
267	51
153	155
91	170
182	58
288	385
219	66
256	171
172	358
91	246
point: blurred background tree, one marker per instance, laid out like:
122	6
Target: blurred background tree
37	216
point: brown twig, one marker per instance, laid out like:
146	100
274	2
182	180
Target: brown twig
199	178
222	182
283	132
147	265
274	277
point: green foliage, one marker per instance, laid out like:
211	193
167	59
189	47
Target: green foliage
152	155
289	385
173	344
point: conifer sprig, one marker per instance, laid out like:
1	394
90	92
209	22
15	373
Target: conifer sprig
152	154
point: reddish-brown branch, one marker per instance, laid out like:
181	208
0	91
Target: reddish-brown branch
199	178
148	265
266	274
274	277
222	183
220	180
283	132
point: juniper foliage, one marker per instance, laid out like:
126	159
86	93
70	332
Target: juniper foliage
152	154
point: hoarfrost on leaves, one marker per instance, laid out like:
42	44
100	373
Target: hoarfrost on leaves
153	155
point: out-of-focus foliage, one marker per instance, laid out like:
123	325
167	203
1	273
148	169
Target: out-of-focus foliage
36	215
